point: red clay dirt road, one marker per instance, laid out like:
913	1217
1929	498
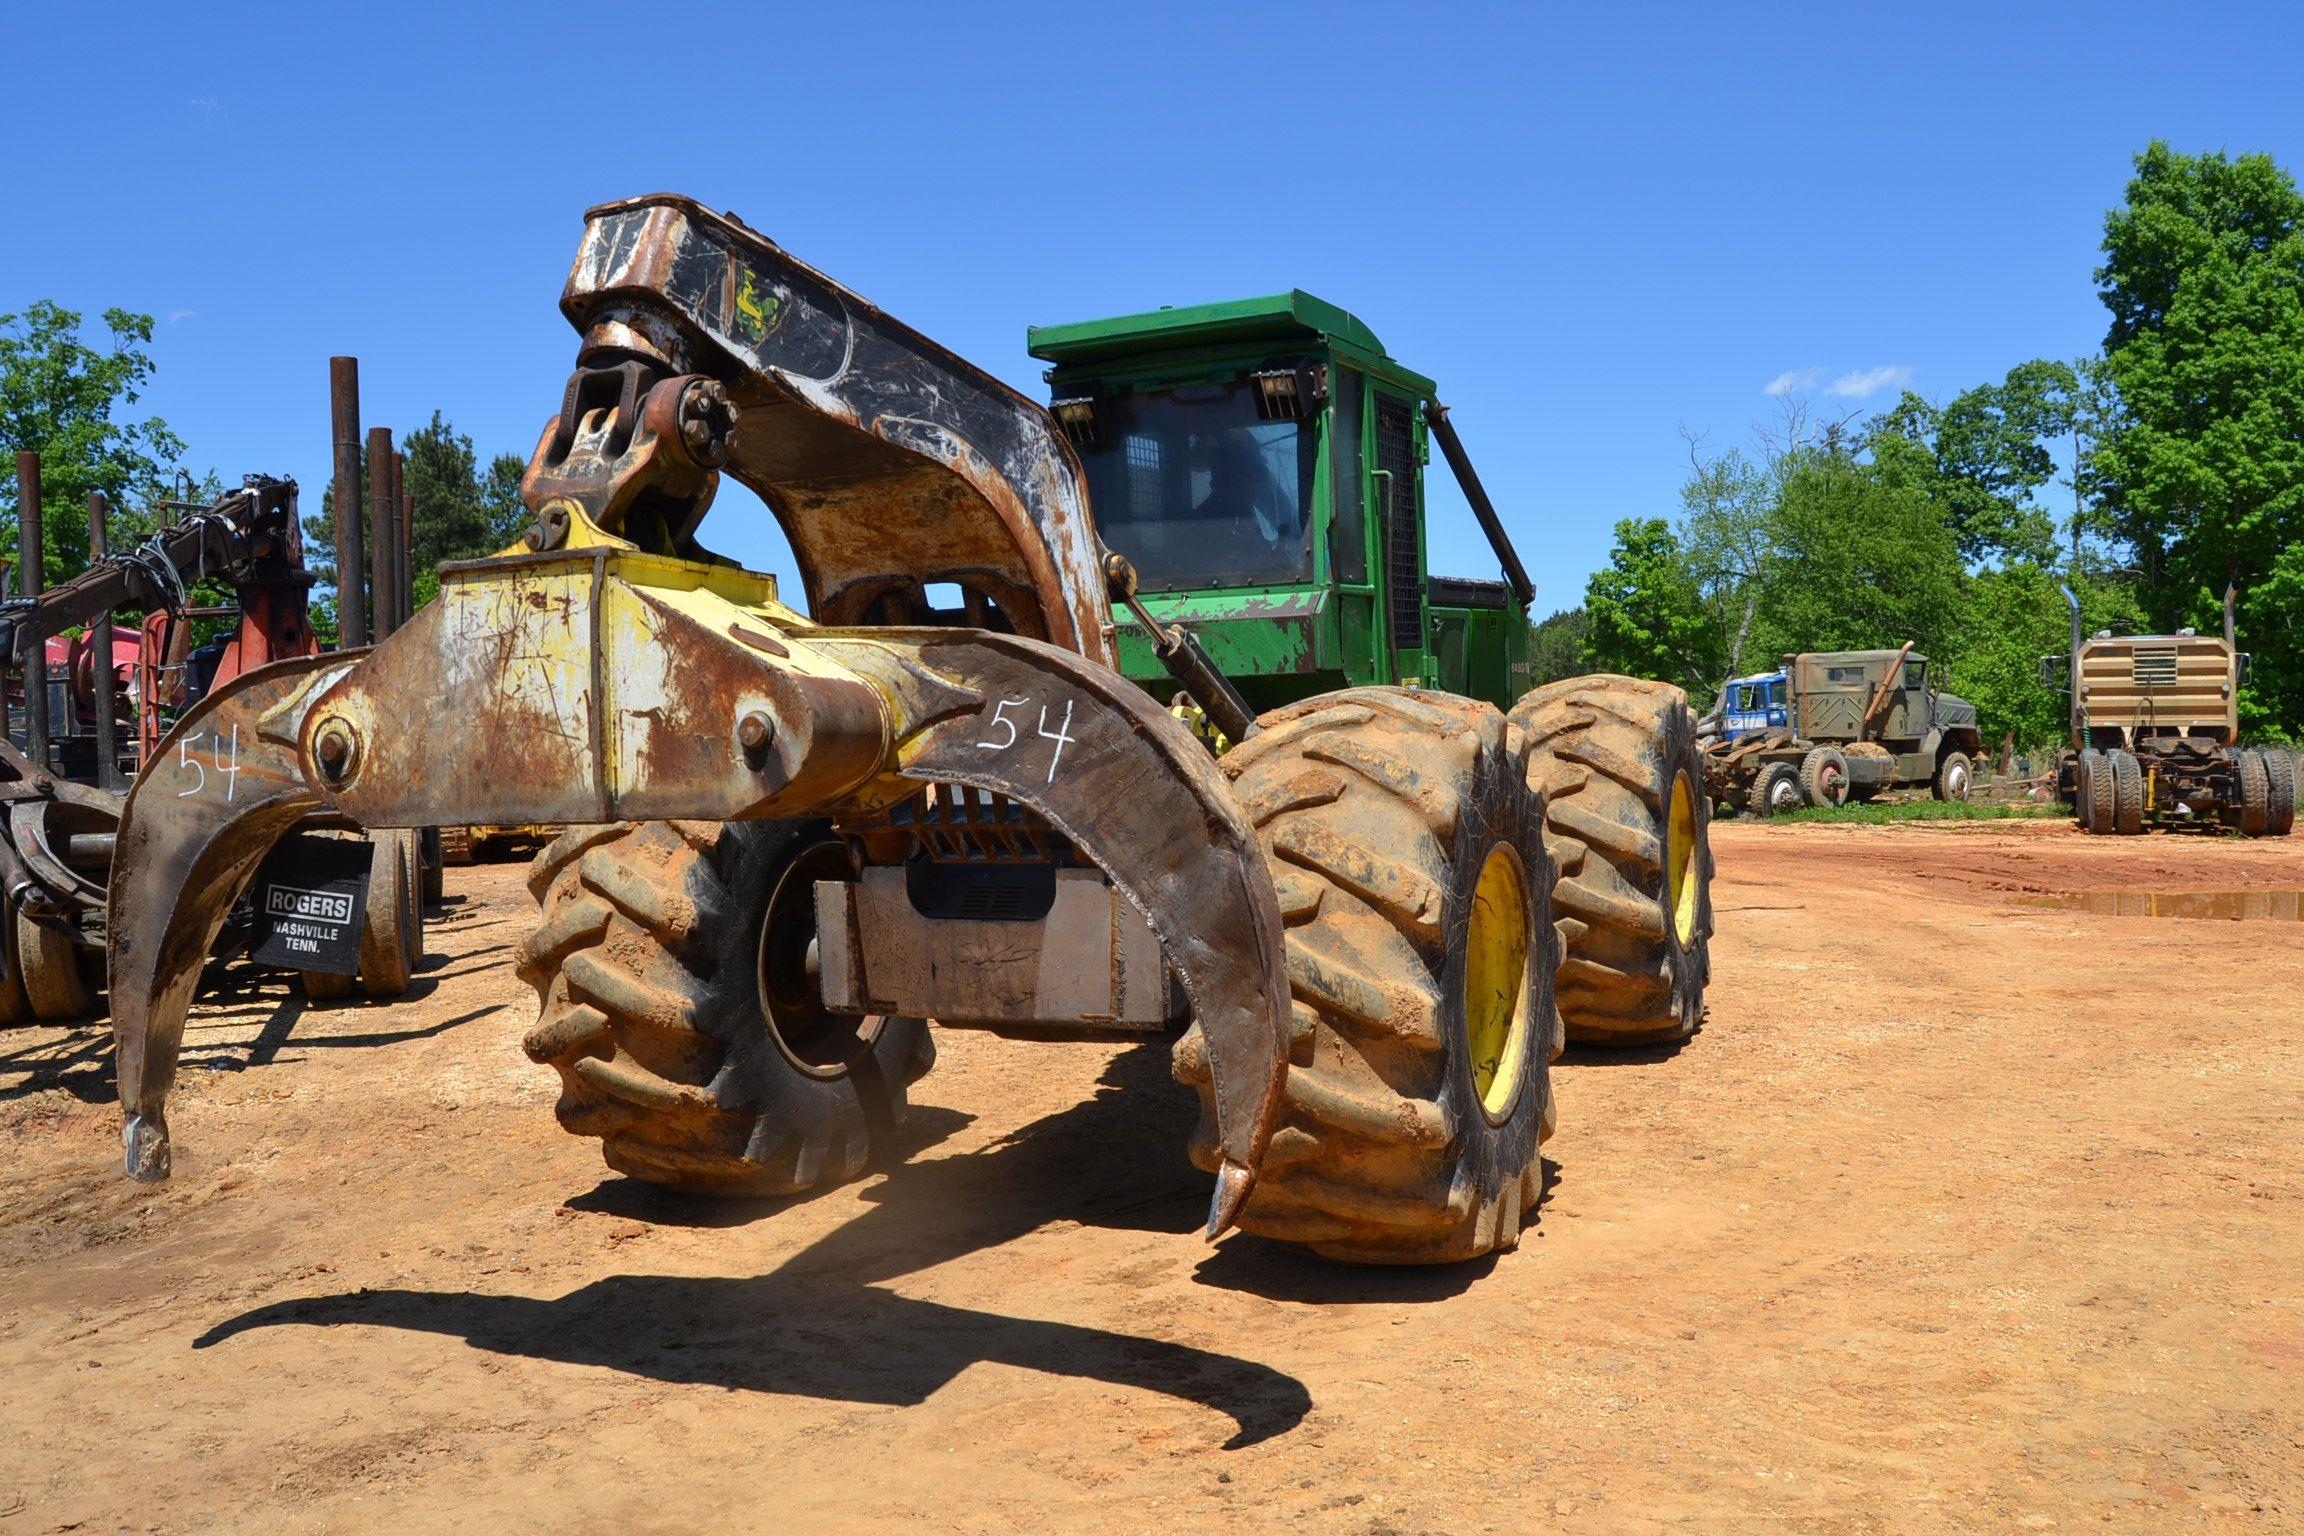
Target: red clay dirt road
1958	1216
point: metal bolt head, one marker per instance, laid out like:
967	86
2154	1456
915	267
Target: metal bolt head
334	747
754	731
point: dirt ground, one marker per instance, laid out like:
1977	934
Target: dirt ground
1960	1214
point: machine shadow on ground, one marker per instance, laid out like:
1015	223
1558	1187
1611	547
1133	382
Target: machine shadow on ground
821	1325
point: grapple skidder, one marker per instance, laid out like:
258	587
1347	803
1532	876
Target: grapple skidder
950	792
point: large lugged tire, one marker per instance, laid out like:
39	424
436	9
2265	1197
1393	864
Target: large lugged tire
2127	792
1628	827
655	967
2255	793
2098	800
1406	844
2280	770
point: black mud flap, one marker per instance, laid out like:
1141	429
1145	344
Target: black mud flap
311	896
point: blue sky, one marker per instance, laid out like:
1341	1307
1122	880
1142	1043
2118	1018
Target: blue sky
1594	225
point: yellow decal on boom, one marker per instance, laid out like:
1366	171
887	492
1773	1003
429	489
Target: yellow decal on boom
756	312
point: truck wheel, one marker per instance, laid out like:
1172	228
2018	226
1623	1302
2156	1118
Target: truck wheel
389	934
1625	823
2280	772
15	1007
2127	777
2255	796
1824	777
1954	775
434	862
1407	846
2097	800
672	973
1777	790
51	971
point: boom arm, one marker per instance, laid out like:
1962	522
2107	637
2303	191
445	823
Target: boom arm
244	528
891	462
1452	448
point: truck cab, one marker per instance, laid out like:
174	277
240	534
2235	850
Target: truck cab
1261	465
1755	703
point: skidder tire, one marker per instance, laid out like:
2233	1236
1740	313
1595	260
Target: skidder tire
2127	793
1627	826
1824	777
1406	844
670	969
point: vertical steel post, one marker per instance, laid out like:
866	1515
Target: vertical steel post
351	562
100	639
381	543
407	544
32	640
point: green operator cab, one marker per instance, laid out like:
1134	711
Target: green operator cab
1260	463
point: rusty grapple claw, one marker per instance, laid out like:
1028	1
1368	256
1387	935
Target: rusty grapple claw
601	684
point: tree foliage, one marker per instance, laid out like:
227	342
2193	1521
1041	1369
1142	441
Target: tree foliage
1984	458
1556	647
458	510
1865	559
68	402
1646	615
2009	619
2200	465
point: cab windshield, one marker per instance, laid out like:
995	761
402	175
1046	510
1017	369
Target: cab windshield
1197	490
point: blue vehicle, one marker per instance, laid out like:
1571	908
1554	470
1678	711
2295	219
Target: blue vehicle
1754	703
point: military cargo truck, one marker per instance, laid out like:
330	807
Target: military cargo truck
1854	723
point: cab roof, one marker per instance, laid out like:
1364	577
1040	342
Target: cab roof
1855	658
1294	317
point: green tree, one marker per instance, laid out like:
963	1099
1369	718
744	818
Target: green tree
1727	531
1647	617
66	401
1556	648
1984	457
458	510
2200	466
442	479
2009	618
1864	560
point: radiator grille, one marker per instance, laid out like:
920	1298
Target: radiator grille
2154	666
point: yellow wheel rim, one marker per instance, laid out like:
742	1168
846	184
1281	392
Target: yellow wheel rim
1680	884
1496	981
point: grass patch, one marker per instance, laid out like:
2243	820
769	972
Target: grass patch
1878	814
